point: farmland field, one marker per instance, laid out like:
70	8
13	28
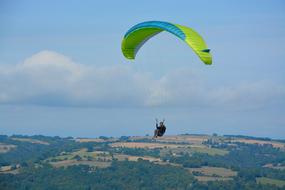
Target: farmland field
35	141
66	163
6	147
210	178
214	171
145	145
188	139
265	180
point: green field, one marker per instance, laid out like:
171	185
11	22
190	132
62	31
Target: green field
214	171
210	178
210	151
207	173
195	149
265	180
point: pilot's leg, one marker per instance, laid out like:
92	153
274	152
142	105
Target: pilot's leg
155	133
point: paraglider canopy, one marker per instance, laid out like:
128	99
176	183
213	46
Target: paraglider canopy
140	33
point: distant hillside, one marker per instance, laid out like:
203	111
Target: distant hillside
141	162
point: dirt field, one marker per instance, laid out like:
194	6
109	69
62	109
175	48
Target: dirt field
274	167
146	145
214	171
30	141
6	147
83	140
5	168
9	169
189	139
66	163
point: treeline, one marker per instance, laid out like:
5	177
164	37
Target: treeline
235	184
121	175
248	137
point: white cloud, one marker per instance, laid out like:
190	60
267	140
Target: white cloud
50	78
250	94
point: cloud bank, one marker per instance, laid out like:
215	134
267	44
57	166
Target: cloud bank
50	78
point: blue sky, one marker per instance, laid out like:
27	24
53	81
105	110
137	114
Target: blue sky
62	71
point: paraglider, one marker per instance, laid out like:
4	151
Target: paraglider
139	34
160	129
136	36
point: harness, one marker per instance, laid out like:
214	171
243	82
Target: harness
161	131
